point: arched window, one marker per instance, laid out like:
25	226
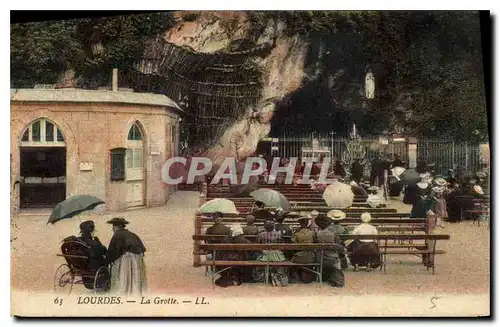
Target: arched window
134	133
42	132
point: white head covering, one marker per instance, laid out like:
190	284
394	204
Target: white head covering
422	185
353	183
236	230
366	217
478	189
314	214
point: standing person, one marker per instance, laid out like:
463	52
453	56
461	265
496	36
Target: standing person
339	170
357	171
365	252
126	253
375	167
332	270
397	161
423	202
438	194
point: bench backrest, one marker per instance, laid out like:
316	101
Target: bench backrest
432	237
271	246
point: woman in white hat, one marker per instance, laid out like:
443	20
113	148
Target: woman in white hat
438	194
237	275
364	252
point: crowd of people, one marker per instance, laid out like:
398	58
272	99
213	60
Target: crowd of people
446	198
313	228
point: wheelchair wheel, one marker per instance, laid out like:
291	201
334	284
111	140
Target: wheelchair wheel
63	280
102	280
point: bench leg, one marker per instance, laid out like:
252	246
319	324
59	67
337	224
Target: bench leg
321	267
385	263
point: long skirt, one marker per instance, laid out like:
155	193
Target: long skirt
128	275
395	189
364	253
453	208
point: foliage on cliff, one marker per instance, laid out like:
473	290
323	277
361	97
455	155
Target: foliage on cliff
427	65
91	47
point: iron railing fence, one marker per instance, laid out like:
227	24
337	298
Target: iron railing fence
441	154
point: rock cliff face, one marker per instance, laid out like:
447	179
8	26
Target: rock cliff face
281	69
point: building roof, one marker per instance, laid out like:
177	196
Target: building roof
86	96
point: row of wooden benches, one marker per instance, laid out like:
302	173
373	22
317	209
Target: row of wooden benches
386	245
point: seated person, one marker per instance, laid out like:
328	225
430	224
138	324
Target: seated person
332	270
303	235
250	228
236	275
373	200
279	225
261	212
218	228
356	189
95	250
365	252
336	216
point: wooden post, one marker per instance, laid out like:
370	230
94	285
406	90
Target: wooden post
115	80
198	228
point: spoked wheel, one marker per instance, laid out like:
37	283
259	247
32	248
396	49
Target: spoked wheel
63	280
102	280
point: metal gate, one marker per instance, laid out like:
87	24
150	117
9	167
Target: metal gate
447	154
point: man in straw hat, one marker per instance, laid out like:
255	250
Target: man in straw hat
332	270
126	253
365	252
337	216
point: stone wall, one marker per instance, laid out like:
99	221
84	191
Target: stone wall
91	130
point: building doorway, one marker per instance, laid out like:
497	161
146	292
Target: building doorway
134	171
42	155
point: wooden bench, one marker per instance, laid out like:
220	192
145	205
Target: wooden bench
213	248
382	240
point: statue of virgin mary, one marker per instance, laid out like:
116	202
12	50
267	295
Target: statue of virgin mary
370	85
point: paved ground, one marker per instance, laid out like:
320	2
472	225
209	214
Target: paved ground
166	232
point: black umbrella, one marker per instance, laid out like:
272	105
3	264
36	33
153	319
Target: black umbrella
73	206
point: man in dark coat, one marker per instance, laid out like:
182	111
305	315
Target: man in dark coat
250	228
397	162
126	253
357	171
218	228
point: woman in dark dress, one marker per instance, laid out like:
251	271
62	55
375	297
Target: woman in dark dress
423	202
95	251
